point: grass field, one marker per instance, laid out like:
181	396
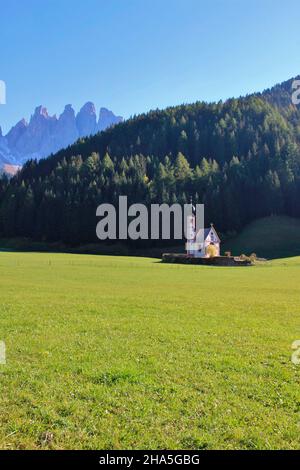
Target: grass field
117	353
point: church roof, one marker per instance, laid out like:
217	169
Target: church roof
207	232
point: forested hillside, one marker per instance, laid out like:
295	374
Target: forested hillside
241	158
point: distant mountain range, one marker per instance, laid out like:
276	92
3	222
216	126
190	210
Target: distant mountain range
45	134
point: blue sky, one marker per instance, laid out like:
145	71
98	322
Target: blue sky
136	55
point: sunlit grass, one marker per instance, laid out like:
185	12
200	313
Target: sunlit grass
108	352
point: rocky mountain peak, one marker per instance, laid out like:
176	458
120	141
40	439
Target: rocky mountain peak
86	120
107	119
69	110
41	111
45	134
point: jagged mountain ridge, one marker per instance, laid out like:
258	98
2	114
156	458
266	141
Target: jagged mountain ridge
45	134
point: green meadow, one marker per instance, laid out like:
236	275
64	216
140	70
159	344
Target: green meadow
119	352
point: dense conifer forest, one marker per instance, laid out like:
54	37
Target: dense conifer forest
241	158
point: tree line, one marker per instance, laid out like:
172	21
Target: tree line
240	158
